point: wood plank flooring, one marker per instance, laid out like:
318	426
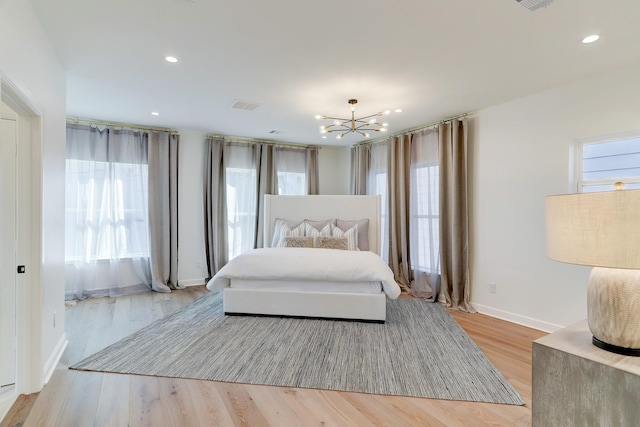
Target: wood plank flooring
74	398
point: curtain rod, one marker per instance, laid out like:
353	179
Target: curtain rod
416	129
261	141
77	121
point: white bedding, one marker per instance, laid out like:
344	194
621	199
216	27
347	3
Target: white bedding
290	264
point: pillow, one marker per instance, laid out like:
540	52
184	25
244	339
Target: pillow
276	229
363	231
310	230
298	242
331	243
351	235
319	225
286	231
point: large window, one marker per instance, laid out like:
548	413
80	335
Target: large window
425	218
605	161
106	210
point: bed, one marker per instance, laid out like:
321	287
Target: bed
312	282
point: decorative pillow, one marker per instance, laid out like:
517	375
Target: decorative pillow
319	225
276	229
286	231
298	242
331	243
310	230
351	235
363	231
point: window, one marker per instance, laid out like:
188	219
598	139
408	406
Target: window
603	162
425	218
105	210
241	212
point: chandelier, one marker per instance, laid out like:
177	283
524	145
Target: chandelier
362	125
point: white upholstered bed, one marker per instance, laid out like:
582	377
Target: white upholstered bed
305	282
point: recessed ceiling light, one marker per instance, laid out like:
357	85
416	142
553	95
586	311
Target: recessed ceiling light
171	59
155	113
324	136
590	39
398	110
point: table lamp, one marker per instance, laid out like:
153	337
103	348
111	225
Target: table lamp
602	230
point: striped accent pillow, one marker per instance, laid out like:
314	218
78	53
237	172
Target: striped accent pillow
351	234
286	231
311	231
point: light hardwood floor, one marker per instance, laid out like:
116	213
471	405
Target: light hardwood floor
74	398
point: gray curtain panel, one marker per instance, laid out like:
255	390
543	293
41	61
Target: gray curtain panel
399	213
454	220
163	210
360	164
313	181
267	183
215	206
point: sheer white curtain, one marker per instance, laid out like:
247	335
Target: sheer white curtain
425	214
107	229
241	191
378	183
291	169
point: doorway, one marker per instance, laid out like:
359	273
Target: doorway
20	230
8	194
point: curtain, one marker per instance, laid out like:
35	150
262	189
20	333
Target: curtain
424	241
377	182
454	223
313	179
360	158
163	210
110	247
399	216
267	184
215	206
237	176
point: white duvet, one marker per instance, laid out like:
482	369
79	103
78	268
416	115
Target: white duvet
307	264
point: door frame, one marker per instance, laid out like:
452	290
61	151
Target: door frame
29	369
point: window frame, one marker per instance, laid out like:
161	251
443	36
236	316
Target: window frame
578	183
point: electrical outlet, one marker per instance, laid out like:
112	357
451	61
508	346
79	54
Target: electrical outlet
492	288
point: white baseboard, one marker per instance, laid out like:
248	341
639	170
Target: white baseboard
192	282
53	360
517	318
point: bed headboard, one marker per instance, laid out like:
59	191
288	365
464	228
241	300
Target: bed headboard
324	207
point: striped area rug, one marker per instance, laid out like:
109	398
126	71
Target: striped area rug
420	351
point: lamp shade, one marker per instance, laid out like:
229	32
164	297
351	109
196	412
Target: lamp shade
597	229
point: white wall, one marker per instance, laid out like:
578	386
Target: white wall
520	154
29	62
334	170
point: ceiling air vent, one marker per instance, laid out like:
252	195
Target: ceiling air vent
242	105
534	4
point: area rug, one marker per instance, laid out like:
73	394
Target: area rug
420	351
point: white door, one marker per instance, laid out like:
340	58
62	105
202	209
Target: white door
7	250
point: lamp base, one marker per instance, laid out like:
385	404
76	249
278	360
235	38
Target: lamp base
616	349
613	298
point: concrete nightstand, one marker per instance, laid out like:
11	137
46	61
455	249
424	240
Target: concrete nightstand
578	384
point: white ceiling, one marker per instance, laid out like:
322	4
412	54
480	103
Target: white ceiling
432	58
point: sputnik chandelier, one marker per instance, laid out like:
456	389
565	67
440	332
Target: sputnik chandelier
361	125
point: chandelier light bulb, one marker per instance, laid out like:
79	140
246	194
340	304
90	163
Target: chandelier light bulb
318	116
385	125
372	121
387	112
339	137
398	110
